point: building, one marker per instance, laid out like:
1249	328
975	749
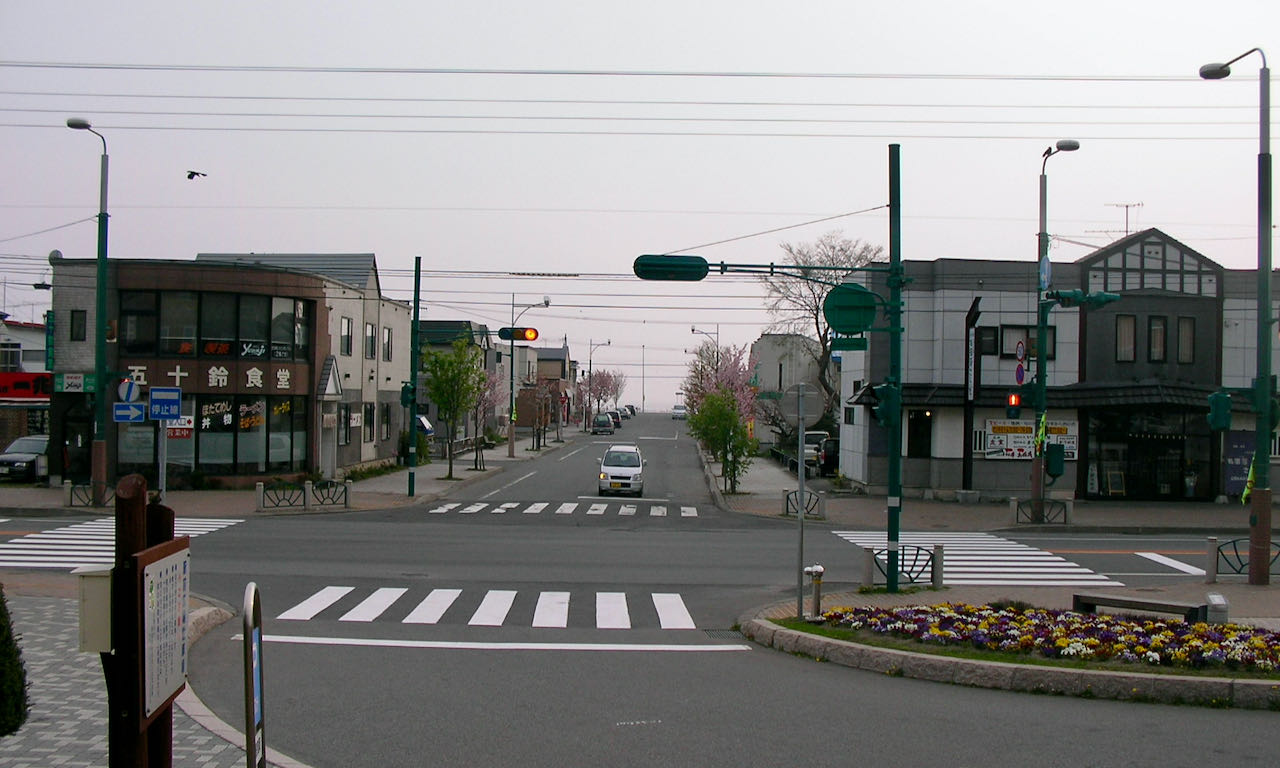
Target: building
25	384
1127	382
289	365
440	335
783	360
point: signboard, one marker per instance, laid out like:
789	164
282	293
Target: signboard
1237	455
128	391
181	428
74	382
130	413
26	386
1015	438
165	403
164	579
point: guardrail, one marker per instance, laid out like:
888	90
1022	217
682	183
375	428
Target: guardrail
308	495
1232	556
916	565
82	494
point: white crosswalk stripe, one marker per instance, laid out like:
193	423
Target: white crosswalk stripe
981	558
613	610
566	509
87	543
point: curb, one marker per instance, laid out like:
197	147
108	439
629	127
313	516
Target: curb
1026	678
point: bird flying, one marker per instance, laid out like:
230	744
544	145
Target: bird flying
193	174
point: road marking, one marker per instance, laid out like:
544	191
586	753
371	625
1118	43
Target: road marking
502	508
534	509
627	509
473	646
315	604
611	611
433	607
440	510
373	606
657	511
571	453
552	610
494	608
1174	564
672	614
472	509
566	508
508	485
596	509
688	512
91	542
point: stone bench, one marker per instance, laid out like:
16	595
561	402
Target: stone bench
1089	602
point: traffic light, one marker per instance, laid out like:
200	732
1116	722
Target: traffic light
1220	411
888	405
406	394
518	334
1055	460
680	267
1013	405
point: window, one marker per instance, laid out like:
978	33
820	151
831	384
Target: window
137	333
255	327
369	416
370	341
178	323
218	324
1126	338
1186	340
251	440
282	314
279	423
79	324
919	434
344	422
301	330
386	344
848	415
217	434
384	421
985	340
1010	335
344	342
1157	333
10	356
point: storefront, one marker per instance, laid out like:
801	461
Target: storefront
1149	453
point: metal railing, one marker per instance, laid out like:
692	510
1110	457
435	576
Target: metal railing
916	565
82	494
308	495
1232	556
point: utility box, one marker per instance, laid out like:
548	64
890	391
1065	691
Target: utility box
95	608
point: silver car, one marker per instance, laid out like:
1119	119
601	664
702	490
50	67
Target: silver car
620	470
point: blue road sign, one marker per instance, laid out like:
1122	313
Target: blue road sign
129	412
166	403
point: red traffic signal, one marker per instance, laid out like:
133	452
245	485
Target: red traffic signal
1013	405
1014	400
518	334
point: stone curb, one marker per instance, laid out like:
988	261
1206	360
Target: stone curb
1097	684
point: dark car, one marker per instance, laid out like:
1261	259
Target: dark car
24	459
617	419
829	456
602	424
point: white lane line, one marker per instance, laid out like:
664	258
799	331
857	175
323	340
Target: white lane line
508	485
566	508
440	510
611	611
315	604
472	646
627	509
596	509
433	607
534	509
571	453
1177	565
474	508
657	511
552	610
374	605
502	508
672	613
688	511
493	609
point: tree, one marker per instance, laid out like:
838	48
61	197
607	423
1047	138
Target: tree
725	370
13	675
720	426
454	382
492	391
796	303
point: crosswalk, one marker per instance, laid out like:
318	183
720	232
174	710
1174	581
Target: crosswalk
86	543
493	608
981	558
551	508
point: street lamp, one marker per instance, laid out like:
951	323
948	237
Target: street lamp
98	456
716	339
511	395
1042	351
587	412
1260	503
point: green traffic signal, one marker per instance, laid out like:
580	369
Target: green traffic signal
406	394
1220	411
682	268
888	408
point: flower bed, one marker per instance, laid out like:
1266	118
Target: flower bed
1069	635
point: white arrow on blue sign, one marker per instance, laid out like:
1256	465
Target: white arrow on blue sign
129	412
165	403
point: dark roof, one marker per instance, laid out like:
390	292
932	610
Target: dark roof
353	269
1085	395
553	353
448	331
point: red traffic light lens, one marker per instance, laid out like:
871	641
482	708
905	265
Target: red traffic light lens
527	334
1014	400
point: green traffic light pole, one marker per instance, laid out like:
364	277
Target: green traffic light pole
689	268
415	362
511	363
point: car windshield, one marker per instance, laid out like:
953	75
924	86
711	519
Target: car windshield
28	445
815	438
603	419
622	459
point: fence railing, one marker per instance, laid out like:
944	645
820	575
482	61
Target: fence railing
307	495
916	565
82	494
1232	556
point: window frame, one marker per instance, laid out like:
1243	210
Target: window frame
346	327
344	423
1186	340
1131	321
368	422
386	343
370	341
78	329
1028	333
1157	348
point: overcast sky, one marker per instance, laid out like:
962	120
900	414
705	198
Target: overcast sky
570	137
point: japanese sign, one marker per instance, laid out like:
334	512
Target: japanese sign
165	575
1015	439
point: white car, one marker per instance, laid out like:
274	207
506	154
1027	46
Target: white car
620	470
679	411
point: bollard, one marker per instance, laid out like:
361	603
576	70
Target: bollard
868	566
307	489
66	493
1211	561
346	500
1218	608
259	493
1013	507
814	572
937	566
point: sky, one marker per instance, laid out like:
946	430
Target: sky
499	139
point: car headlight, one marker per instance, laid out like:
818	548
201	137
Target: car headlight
604	475
635	478
20	464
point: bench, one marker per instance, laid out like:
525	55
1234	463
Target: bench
1088	603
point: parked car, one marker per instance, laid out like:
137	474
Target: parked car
813	439
678	411
25	459
621	470
601	424
617	419
829	457
631	408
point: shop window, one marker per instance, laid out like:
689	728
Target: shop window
1157	334
282	314
384	421
137	332
301	330
1126	338
218	325
344	423
1186	340
369	416
181	450
370	341
344	340
251	437
216	430
255	327
178	323
79	324
386	344
280	430
919	434
299	427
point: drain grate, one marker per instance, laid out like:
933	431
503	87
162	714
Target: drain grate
723	634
